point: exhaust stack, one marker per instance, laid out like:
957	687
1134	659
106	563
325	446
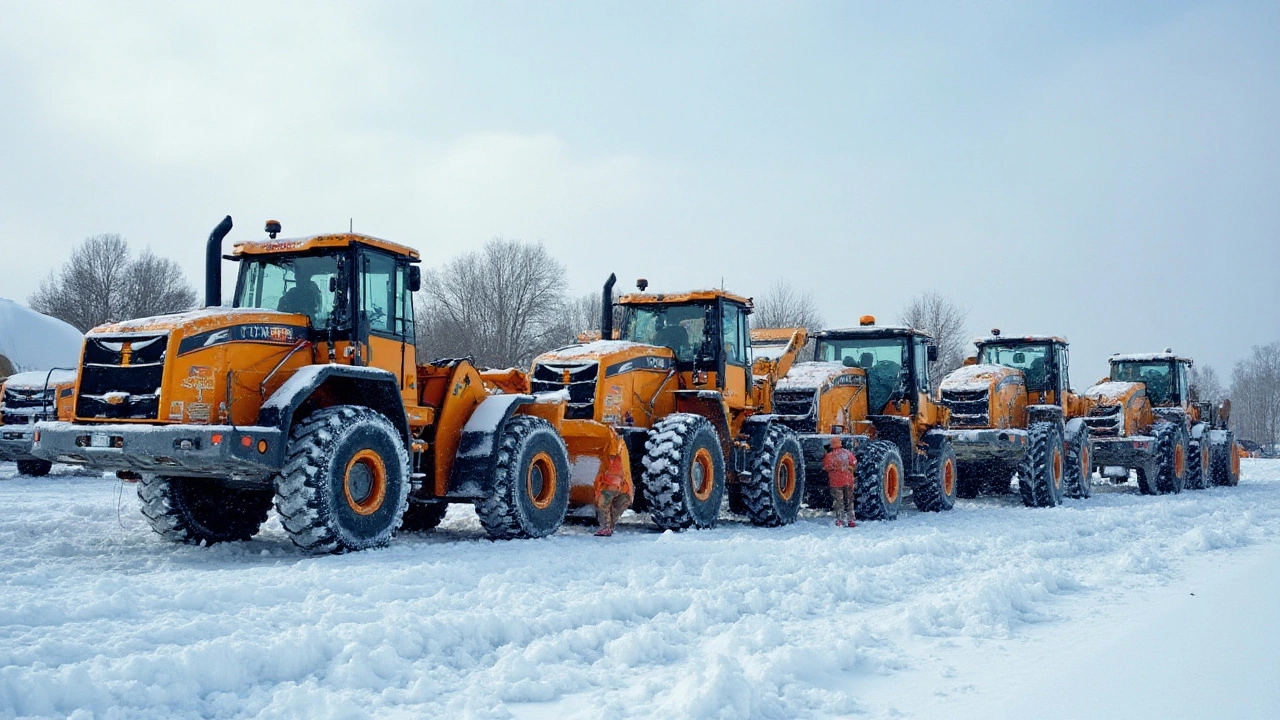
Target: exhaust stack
213	264
606	308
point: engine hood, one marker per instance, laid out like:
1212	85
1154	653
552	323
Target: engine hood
1114	392
35	380
814	375
206	319
615	355
980	377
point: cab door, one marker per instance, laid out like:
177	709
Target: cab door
733	338
384	317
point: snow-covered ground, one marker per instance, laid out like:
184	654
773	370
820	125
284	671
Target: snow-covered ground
1118	606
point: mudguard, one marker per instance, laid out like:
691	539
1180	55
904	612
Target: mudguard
1073	427
472	470
1043	413
350	384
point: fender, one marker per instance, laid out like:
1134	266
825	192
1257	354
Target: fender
472	471
1074	427
350	385
1044	413
710	405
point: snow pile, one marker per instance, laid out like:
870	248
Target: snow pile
810	375
1111	390
933	615
37	379
972	378
31	341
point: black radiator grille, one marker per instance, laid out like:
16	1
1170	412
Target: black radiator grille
969	408
579	378
1105	421
120	377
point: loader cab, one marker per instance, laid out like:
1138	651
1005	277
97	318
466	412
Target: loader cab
1043	362
707	331
1164	375
356	291
896	361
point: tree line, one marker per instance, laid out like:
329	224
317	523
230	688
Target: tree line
507	302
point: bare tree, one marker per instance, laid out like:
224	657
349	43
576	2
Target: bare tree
1255	395
100	283
945	321
783	306
501	305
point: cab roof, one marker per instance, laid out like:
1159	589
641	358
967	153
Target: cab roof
316	242
1002	339
684	297
870	331
1149	357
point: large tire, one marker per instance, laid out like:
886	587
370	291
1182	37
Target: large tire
1225	461
773	491
1078	482
530	493
1171	457
196	511
1199	459
345	481
877	492
684	479
423	517
34	468
1043	466
938	490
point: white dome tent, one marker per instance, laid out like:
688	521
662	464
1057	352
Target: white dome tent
31	341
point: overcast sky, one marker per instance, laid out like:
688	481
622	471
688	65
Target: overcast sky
1106	171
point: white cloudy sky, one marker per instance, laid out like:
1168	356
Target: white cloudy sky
1109	171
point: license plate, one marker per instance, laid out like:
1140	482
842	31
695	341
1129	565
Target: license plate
99	440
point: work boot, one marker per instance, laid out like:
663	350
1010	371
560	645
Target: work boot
839	523
604	532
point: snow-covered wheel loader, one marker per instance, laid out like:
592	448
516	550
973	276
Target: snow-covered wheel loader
26	399
1144	418
674	394
306	395
1013	411
869	386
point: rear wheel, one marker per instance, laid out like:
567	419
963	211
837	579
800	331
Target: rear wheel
1225	461
34	468
773	492
878	479
1171	457
1078	482
345	480
530	493
196	511
424	516
938	491
1199	460
1043	465
683	476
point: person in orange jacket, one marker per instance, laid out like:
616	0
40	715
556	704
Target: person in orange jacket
613	490
840	464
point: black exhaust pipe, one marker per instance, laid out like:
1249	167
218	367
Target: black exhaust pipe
213	264
606	308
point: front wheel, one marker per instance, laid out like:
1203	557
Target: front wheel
1225	461
684	474
530	493
345	481
1078	482
1199	459
34	468
775	487
1040	473
938	490
877	491
1171	457
198	511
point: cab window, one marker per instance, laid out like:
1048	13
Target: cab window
679	327
293	284
735	352
1155	375
1033	360
921	353
379	293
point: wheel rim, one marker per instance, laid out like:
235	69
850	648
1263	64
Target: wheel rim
1086	468
785	477
1204	460
1179	461
1235	462
702	476
540	481
948	477
891	484
365	482
1057	468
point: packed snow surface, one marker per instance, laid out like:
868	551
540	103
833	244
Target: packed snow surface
32	341
1122	605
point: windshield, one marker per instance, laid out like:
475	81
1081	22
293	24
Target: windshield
679	327
1032	359
1157	376
294	284
884	359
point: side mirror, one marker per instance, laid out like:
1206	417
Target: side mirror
932	353
415	278
333	283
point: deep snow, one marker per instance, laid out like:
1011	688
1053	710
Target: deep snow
992	610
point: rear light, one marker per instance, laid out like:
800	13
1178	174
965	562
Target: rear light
216	438
245	440
37	436
262	446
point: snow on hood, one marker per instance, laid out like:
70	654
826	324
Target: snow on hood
31	341
975	377
590	351
173	321
1112	391
810	375
35	379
